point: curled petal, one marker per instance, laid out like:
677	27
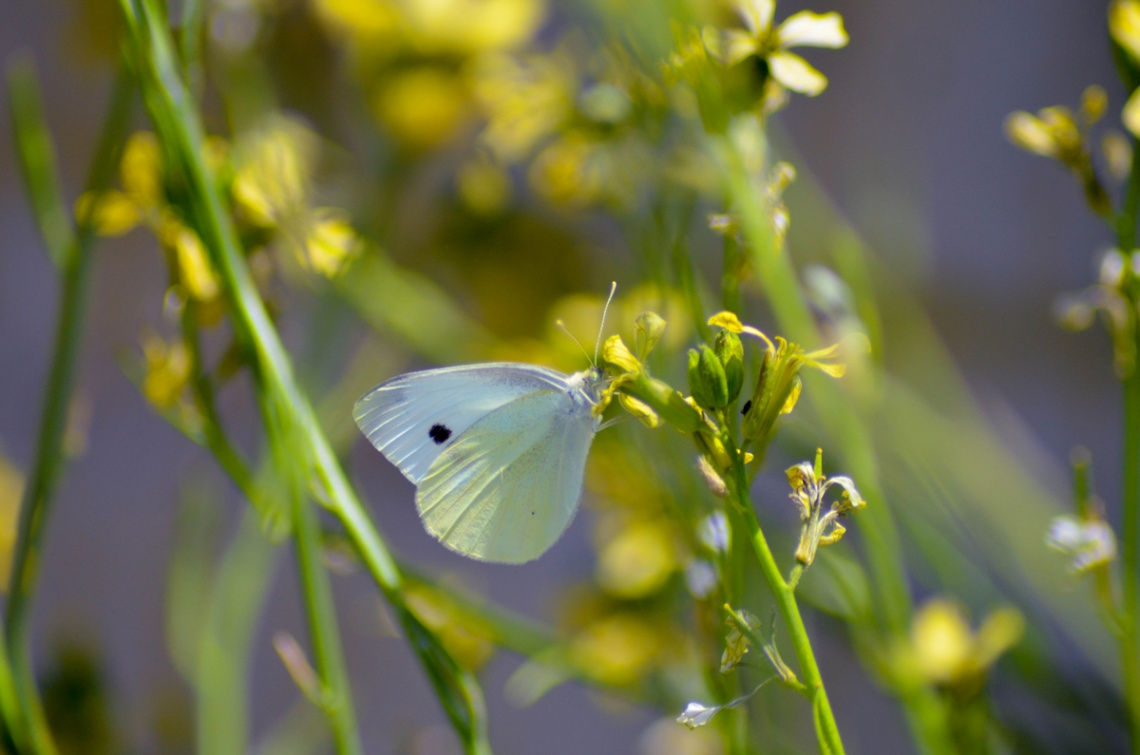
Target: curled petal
801	475
850	500
795	73
809	29
835	535
793	396
615	352
832	370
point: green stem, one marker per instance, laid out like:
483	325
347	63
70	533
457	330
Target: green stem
1130	488
321	613
237	595
47	469
827	730
1130	529
213	433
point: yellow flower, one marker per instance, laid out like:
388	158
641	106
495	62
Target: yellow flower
638	561
366	21
167	370
615	352
114	213
331	242
468	27
140	170
422	107
111	213
942	649
616	649
194	269
484	186
525	100
272	171
1124	26
760	39
1052	133
778	384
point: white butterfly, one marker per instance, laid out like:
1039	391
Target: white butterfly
497	451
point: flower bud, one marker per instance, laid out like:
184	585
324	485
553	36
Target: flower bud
754	409
707	381
650	327
730	352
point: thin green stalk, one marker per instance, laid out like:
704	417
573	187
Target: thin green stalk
1129	657
213	434
1130	469
321	612
47	470
237	595
827	729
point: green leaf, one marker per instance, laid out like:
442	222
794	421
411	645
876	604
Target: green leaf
37	160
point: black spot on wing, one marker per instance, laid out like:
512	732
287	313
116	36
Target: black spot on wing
439	433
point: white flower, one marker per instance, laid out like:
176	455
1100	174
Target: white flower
696	714
714	532
1089	543
759	38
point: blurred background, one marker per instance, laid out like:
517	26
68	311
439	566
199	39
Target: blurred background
906	146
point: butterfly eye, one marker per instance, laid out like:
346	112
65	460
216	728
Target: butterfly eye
439	433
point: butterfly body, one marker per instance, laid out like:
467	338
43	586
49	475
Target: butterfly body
497	451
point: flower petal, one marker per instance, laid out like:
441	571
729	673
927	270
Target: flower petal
696	714
1028	132
796	74
729	46
1131	113
1124	25
757	14
812	30
727	320
851	500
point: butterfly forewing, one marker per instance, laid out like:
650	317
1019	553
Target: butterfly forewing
508	487
413	418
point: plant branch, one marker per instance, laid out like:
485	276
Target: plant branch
71	249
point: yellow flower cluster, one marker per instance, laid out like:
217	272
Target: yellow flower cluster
142	200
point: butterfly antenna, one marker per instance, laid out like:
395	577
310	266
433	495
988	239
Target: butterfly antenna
566	330
602	325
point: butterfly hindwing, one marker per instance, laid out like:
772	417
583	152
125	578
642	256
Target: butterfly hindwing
508	487
413	418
